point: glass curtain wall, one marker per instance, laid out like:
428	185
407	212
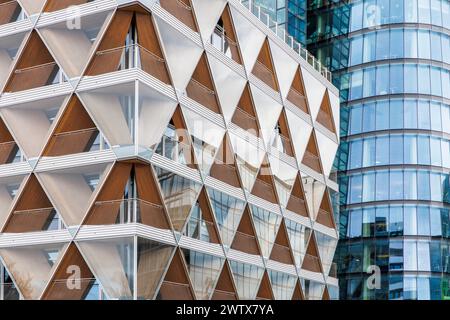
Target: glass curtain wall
391	61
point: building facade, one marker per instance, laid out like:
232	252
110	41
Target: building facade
173	149
290	14
391	61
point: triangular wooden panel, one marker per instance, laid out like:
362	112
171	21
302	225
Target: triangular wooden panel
9	11
55	5
176	284
206	216
265	289
33	210
185	152
311	158
110	195
35	66
298	294
182	10
226	22
325	216
245	114
113	39
224	166
225	288
245	238
297	202
151	209
325	115
74	133
311	261
284	140
264	186
264	69
201	86
8	147
72	280
148	201
297	93
132	19
281	251
326	294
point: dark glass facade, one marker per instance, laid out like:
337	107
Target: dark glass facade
288	13
391	61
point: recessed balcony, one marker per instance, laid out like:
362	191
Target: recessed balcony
11	11
297	99
312	161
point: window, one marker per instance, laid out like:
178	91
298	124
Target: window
369	117
382	80
355	154
383	45
355	224
368	187
356	50
356	89
423	221
410	149
424	115
355	119
410	44
436	88
410	78
423	254
381	220
435	185
396	221
423	145
356	16
436	50
396	78
423	183
396	114
368	222
410	185
410	221
435	146
396	149
369	47
410	255
396	185
382	151
355	189
424	44
382	115
396	47
411	11
396	11
369	152
382	180
436	17
424	11
410	108
369	82
435	113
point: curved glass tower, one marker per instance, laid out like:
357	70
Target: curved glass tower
391	60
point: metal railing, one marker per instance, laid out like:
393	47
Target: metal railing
311	263
283	144
49	71
134	56
223	43
288	39
126	211
264	74
175	150
325	119
312	161
202	94
199	229
297	99
245	120
76	141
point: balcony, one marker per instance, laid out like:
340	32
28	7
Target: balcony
174	291
281	254
36	76
173	149
129	57
201	230
264	74
33	220
298	99
245	243
264	190
72	142
123	211
297	205
325	218
182	10
10	12
311	263
225	172
203	95
312	161
245	121
283	144
223	295
325	119
223	43
83	288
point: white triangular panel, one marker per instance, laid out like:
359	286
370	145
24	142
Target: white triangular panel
326	247
327	149
315	92
314	192
155	111
285	68
181	53
208	13
250	38
71	46
32	6
284	177
268	111
300	133
229	84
